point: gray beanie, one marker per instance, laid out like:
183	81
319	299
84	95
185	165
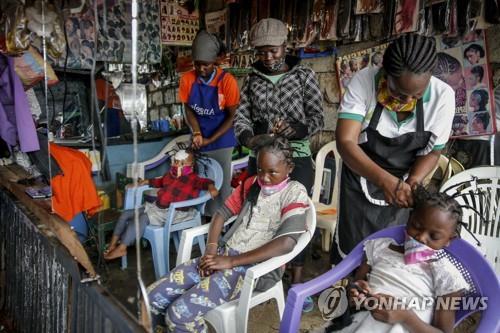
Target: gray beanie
206	47
268	32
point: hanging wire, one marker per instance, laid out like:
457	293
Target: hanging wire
142	289
46	100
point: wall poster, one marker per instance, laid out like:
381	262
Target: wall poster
462	63
179	25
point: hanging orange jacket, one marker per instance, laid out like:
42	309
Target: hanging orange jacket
73	191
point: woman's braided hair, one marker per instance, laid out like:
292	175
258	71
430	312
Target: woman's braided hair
411	52
425	198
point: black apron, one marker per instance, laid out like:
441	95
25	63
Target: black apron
362	208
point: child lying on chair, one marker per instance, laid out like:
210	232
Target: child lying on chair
416	271
179	184
271	213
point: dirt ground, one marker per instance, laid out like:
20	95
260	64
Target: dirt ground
263	319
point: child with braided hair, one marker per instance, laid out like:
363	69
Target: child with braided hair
393	123
415	270
271	211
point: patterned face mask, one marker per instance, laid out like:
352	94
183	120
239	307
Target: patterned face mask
271	189
277	66
182	171
391	103
416	252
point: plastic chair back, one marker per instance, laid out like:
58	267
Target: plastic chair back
318	175
479	190
475	269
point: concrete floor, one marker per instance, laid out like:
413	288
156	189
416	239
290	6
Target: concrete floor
263	319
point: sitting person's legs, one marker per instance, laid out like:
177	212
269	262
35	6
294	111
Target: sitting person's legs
125	233
182	298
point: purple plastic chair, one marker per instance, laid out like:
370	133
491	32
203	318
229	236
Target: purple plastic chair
476	271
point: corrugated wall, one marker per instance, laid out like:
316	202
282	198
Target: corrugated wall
40	285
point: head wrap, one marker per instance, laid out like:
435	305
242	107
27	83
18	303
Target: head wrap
206	47
268	32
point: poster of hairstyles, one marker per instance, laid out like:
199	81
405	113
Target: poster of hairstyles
463	64
351	63
179	24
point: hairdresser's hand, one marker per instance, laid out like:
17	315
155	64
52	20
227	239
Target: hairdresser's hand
397	192
282	128
252	143
197	141
388	312
216	263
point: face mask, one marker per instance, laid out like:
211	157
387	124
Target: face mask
391	103
271	189
277	66
184	171
416	252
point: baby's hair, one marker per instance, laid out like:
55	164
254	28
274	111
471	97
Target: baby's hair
446	64
476	48
411	52
425	198
197	155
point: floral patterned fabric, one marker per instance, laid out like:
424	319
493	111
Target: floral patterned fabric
114	42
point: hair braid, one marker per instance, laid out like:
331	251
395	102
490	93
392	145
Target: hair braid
424	198
411	52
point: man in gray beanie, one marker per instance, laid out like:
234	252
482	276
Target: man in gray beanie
210	97
280	96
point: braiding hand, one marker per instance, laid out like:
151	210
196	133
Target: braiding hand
282	128
397	193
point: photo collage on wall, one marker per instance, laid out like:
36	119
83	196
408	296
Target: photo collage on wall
349	64
179	26
463	64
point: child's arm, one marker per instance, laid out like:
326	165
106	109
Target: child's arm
212	190
276	247
360	288
443	320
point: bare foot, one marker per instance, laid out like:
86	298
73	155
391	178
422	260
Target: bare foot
117	252
112	245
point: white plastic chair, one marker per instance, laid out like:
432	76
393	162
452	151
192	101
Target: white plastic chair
233	316
159	158
480	188
326	222
159	236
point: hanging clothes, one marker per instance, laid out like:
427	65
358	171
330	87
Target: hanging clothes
16	121
74	190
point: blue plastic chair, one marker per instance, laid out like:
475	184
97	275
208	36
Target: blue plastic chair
477	271
159	237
